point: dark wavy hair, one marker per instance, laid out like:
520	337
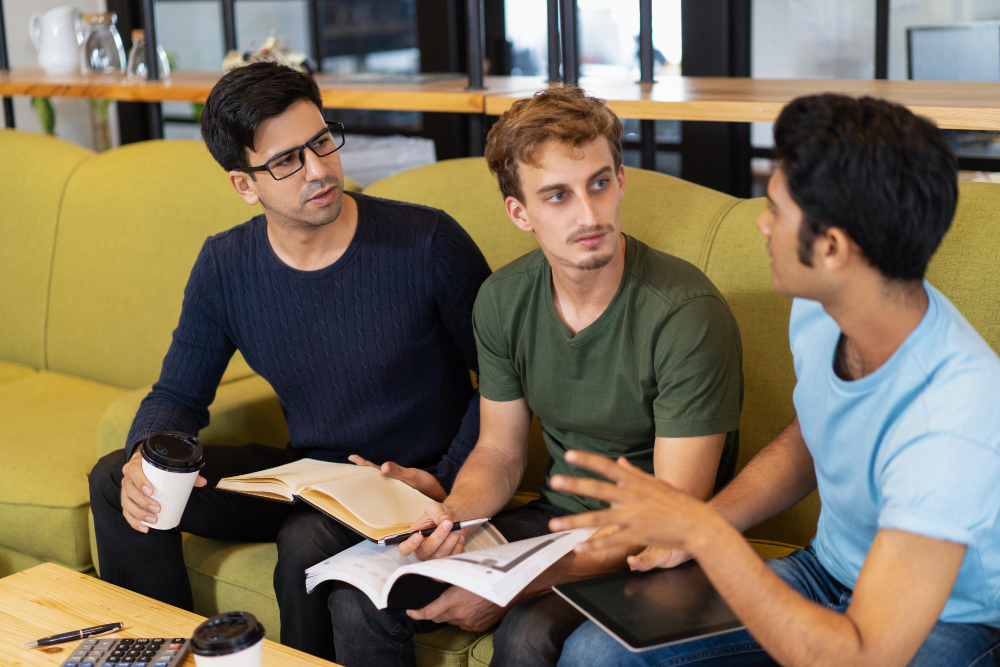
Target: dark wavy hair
243	99
874	169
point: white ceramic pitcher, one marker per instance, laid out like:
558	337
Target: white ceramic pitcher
57	36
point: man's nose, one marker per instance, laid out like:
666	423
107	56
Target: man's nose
588	216
764	225
316	169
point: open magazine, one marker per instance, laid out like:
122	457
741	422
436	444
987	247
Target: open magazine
490	567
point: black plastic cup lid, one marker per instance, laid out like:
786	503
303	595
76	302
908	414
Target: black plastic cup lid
226	633
171	450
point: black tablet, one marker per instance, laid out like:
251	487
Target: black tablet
646	610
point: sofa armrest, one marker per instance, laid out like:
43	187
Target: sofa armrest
244	410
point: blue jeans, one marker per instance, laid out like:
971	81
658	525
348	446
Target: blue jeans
948	645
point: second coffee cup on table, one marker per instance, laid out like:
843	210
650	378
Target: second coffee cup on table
233	639
171	461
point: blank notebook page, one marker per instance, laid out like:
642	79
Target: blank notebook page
381	502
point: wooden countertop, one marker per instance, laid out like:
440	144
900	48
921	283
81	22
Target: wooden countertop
952	104
49	598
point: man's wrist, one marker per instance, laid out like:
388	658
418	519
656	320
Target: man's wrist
708	531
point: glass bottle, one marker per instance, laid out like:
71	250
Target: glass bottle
137	58
101	52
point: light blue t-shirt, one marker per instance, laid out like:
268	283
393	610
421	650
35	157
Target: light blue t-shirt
914	446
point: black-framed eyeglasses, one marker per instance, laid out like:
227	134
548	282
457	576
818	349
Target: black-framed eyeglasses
284	164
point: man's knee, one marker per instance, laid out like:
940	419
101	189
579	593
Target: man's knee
307	537
105	479
533	633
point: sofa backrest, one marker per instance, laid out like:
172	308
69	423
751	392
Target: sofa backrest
33	176
132	222
718	234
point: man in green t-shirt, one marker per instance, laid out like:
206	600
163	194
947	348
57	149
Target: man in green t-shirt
618	348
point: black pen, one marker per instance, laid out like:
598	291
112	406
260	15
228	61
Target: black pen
75	634
402	537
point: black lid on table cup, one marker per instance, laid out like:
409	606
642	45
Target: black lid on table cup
173	451
226	633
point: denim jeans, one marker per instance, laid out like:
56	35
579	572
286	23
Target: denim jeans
948	645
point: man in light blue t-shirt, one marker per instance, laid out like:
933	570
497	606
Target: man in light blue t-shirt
896	425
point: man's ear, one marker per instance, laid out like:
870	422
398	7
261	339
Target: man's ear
518	214
245	187
834	249
621	183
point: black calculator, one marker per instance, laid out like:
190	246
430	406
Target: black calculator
129	652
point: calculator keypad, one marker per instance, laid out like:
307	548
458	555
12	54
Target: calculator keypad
129	652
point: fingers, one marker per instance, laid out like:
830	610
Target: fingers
442	543
584	486
136	496
602	465
654	557
357	460
200	481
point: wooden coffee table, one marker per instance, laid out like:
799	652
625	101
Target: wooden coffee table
48	599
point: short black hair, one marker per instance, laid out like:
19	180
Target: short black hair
872	168
243	99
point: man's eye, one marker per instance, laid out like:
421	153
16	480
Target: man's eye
287	160
601	184
556	197
321	142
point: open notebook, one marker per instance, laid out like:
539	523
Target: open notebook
360	497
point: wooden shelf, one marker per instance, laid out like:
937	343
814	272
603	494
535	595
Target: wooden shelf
951	104
449	95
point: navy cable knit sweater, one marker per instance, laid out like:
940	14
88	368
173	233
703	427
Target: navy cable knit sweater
369	356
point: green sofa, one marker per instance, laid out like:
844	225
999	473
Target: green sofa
96	254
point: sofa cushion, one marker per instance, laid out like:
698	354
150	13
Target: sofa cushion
11	371
121	262
34	176
48	427
966	268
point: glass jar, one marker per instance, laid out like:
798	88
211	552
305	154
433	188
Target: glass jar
101	52
137	58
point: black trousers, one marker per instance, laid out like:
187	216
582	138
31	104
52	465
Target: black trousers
153	563
530	635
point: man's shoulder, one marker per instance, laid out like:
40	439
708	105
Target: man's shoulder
670	279
392	212
234	238
515	277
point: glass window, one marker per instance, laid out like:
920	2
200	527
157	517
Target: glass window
369	36
794	39
608	35
906	14
526	22
287	20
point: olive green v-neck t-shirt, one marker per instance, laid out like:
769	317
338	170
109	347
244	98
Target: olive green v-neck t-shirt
663	360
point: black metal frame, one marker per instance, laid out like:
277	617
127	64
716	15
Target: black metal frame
331	126
8	103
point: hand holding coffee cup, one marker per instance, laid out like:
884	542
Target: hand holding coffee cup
158	480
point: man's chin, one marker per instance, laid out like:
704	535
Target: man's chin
596	262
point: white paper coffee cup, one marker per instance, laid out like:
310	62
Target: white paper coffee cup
233	639
171	461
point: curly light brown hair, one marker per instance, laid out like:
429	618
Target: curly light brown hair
564	114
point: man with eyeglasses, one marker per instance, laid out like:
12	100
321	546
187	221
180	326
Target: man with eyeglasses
357	311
